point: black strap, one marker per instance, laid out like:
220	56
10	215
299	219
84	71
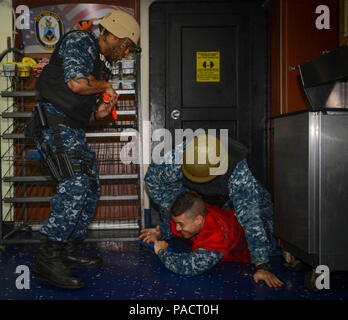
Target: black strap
54	125
66	166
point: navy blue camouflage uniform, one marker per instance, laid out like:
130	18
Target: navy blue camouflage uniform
251	202
73	207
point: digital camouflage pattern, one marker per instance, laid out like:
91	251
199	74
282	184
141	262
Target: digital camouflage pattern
251	202
73	206
190	264
78	53
254	210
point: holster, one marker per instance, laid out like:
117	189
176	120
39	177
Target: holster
59	165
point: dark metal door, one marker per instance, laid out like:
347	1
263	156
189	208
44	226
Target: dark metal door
209	69
207	73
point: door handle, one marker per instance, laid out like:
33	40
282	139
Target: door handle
175	114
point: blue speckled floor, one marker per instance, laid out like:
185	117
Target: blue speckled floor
132	272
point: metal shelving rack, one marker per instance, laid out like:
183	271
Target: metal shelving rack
25	204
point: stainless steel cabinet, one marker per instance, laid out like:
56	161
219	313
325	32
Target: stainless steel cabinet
311	186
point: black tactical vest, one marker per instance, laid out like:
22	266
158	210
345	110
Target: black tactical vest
216	192
52	88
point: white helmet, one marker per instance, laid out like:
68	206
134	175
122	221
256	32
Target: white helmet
121	25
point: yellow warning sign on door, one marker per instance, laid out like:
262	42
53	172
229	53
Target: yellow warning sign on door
208	66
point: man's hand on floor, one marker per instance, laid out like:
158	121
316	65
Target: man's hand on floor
150	235
267	276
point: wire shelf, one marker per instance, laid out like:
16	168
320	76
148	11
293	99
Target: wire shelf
27	188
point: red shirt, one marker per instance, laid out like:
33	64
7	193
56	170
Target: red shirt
221	232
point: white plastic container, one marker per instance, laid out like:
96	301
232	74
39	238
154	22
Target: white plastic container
9	69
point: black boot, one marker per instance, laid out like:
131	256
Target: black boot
76	260
50	267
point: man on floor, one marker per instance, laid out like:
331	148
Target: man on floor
232	222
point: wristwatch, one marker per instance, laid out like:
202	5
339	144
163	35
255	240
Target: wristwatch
264	266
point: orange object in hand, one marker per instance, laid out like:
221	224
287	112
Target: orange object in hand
106	98
114	113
